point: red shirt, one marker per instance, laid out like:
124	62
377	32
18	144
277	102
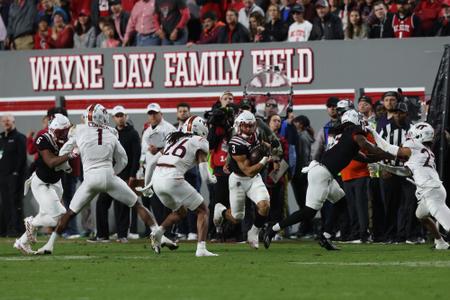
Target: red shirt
356	169
403	28
428	12
127	5
64	39
41	41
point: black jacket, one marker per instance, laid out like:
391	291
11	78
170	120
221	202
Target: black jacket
13	153
382	29
329	29
129	139
276	32
239	35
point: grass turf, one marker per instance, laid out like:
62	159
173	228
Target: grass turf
290	270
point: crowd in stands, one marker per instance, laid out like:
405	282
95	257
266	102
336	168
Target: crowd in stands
49	24
379	206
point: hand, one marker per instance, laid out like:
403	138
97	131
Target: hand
226	170
212	179
161	34
153	150
30	134
74	154
131	181
125	43
276	165
190	44
54	35
174	35
260	29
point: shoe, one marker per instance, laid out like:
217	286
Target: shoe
326	243
72	236
45	250
218	218
192	236
30	230
122	240
268	236
98	240
166	242
441	246
25	248
155	240
133	236
181	237
204	252
252	239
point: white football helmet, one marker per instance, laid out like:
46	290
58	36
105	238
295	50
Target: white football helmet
421	132
59	128
245	117
351	116
97	114
344	105
195	125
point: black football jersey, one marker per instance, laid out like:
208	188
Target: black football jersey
44	172
240	146
344	148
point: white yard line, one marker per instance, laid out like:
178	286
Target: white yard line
414	264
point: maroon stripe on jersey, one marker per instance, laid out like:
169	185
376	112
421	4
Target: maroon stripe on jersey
91	111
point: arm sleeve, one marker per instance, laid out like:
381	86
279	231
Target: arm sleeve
185	16
31	148
131	26
120	157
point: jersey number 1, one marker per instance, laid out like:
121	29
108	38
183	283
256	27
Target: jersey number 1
100	136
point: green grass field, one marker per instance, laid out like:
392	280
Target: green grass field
289	270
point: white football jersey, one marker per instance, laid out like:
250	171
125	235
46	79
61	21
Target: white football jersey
422	165
155	136
99	147
182	154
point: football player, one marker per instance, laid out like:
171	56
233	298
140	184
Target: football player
45	182
350	138
99	148
184	149
245	180
421	166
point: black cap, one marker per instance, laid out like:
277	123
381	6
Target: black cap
245	103
115	2
403	107
366	99
209	15
332	101
322	3
391	94
298	8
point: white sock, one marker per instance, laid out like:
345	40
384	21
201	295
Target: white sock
154	228
24	238
201	245
255	229
52	239
276	227
327	235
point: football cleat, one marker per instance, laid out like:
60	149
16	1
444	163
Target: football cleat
268	236
166	242
45	250
25	248
30	230
218	218
156	242
441	246
252	239
326	243
204	252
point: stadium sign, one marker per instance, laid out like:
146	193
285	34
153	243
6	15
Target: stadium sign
213	68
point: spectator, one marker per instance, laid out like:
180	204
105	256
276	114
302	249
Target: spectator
277	189
310	10
211	27
143	24
236	5
380	111
441	26
357	28
120	17
20	28
321	139
171	18
286	15
326	26
366	110
300	30
13	159
210	6
365	8
233	31
380	26
76	6
101	37
62	33
99	9
110	41
64	5
84	31
244	13
256	27
428	12
405	23
299	181
129	139
43	34
275	30
4	10
46	11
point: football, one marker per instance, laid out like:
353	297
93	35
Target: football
258	153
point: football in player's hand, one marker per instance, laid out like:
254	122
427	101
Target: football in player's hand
258	153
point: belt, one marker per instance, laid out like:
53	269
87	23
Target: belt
165	165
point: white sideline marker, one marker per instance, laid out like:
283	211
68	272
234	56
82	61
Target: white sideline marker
413	264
